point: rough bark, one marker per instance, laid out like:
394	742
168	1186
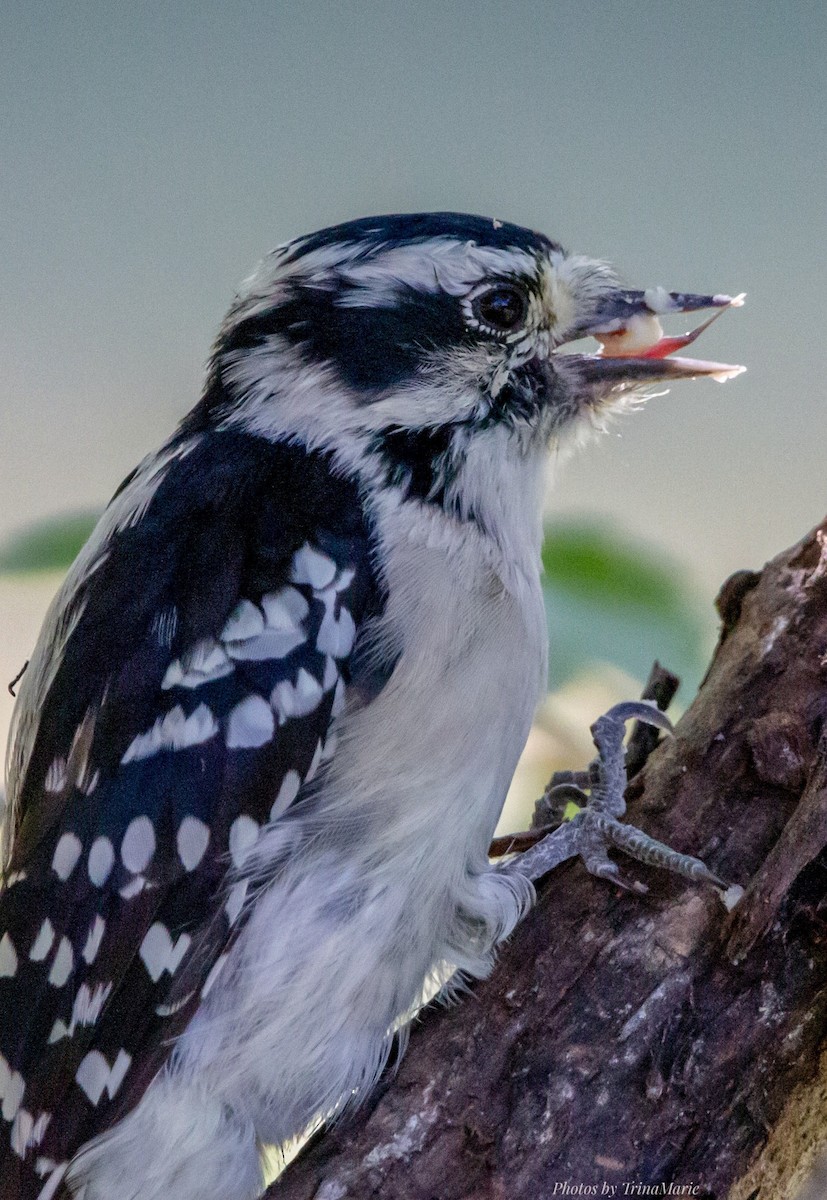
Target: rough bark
660	1041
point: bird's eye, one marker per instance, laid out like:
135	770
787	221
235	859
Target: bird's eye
501	308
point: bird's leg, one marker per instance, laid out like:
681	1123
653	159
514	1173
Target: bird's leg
597	827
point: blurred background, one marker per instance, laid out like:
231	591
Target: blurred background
152	152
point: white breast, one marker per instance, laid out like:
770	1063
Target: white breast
441	740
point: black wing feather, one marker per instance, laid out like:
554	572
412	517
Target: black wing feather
227	525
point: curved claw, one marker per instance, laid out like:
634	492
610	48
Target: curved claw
565	792
604	869
637	710
610	872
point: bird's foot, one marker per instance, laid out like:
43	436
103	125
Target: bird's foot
596	827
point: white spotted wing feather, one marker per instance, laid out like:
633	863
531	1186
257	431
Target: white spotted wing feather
118	913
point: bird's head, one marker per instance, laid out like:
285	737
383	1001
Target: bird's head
411	333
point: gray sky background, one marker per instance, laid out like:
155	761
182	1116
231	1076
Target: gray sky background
152	152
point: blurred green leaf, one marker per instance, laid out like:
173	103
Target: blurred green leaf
610	598
592	560
50	545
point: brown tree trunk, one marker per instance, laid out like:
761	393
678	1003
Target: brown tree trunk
654	1045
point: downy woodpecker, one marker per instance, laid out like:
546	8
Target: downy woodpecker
267	731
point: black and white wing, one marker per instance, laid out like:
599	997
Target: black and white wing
201	656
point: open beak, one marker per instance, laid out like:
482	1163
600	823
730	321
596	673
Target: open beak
634	350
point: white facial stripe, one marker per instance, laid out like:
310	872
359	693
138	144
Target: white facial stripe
280	395
440	264
264	286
